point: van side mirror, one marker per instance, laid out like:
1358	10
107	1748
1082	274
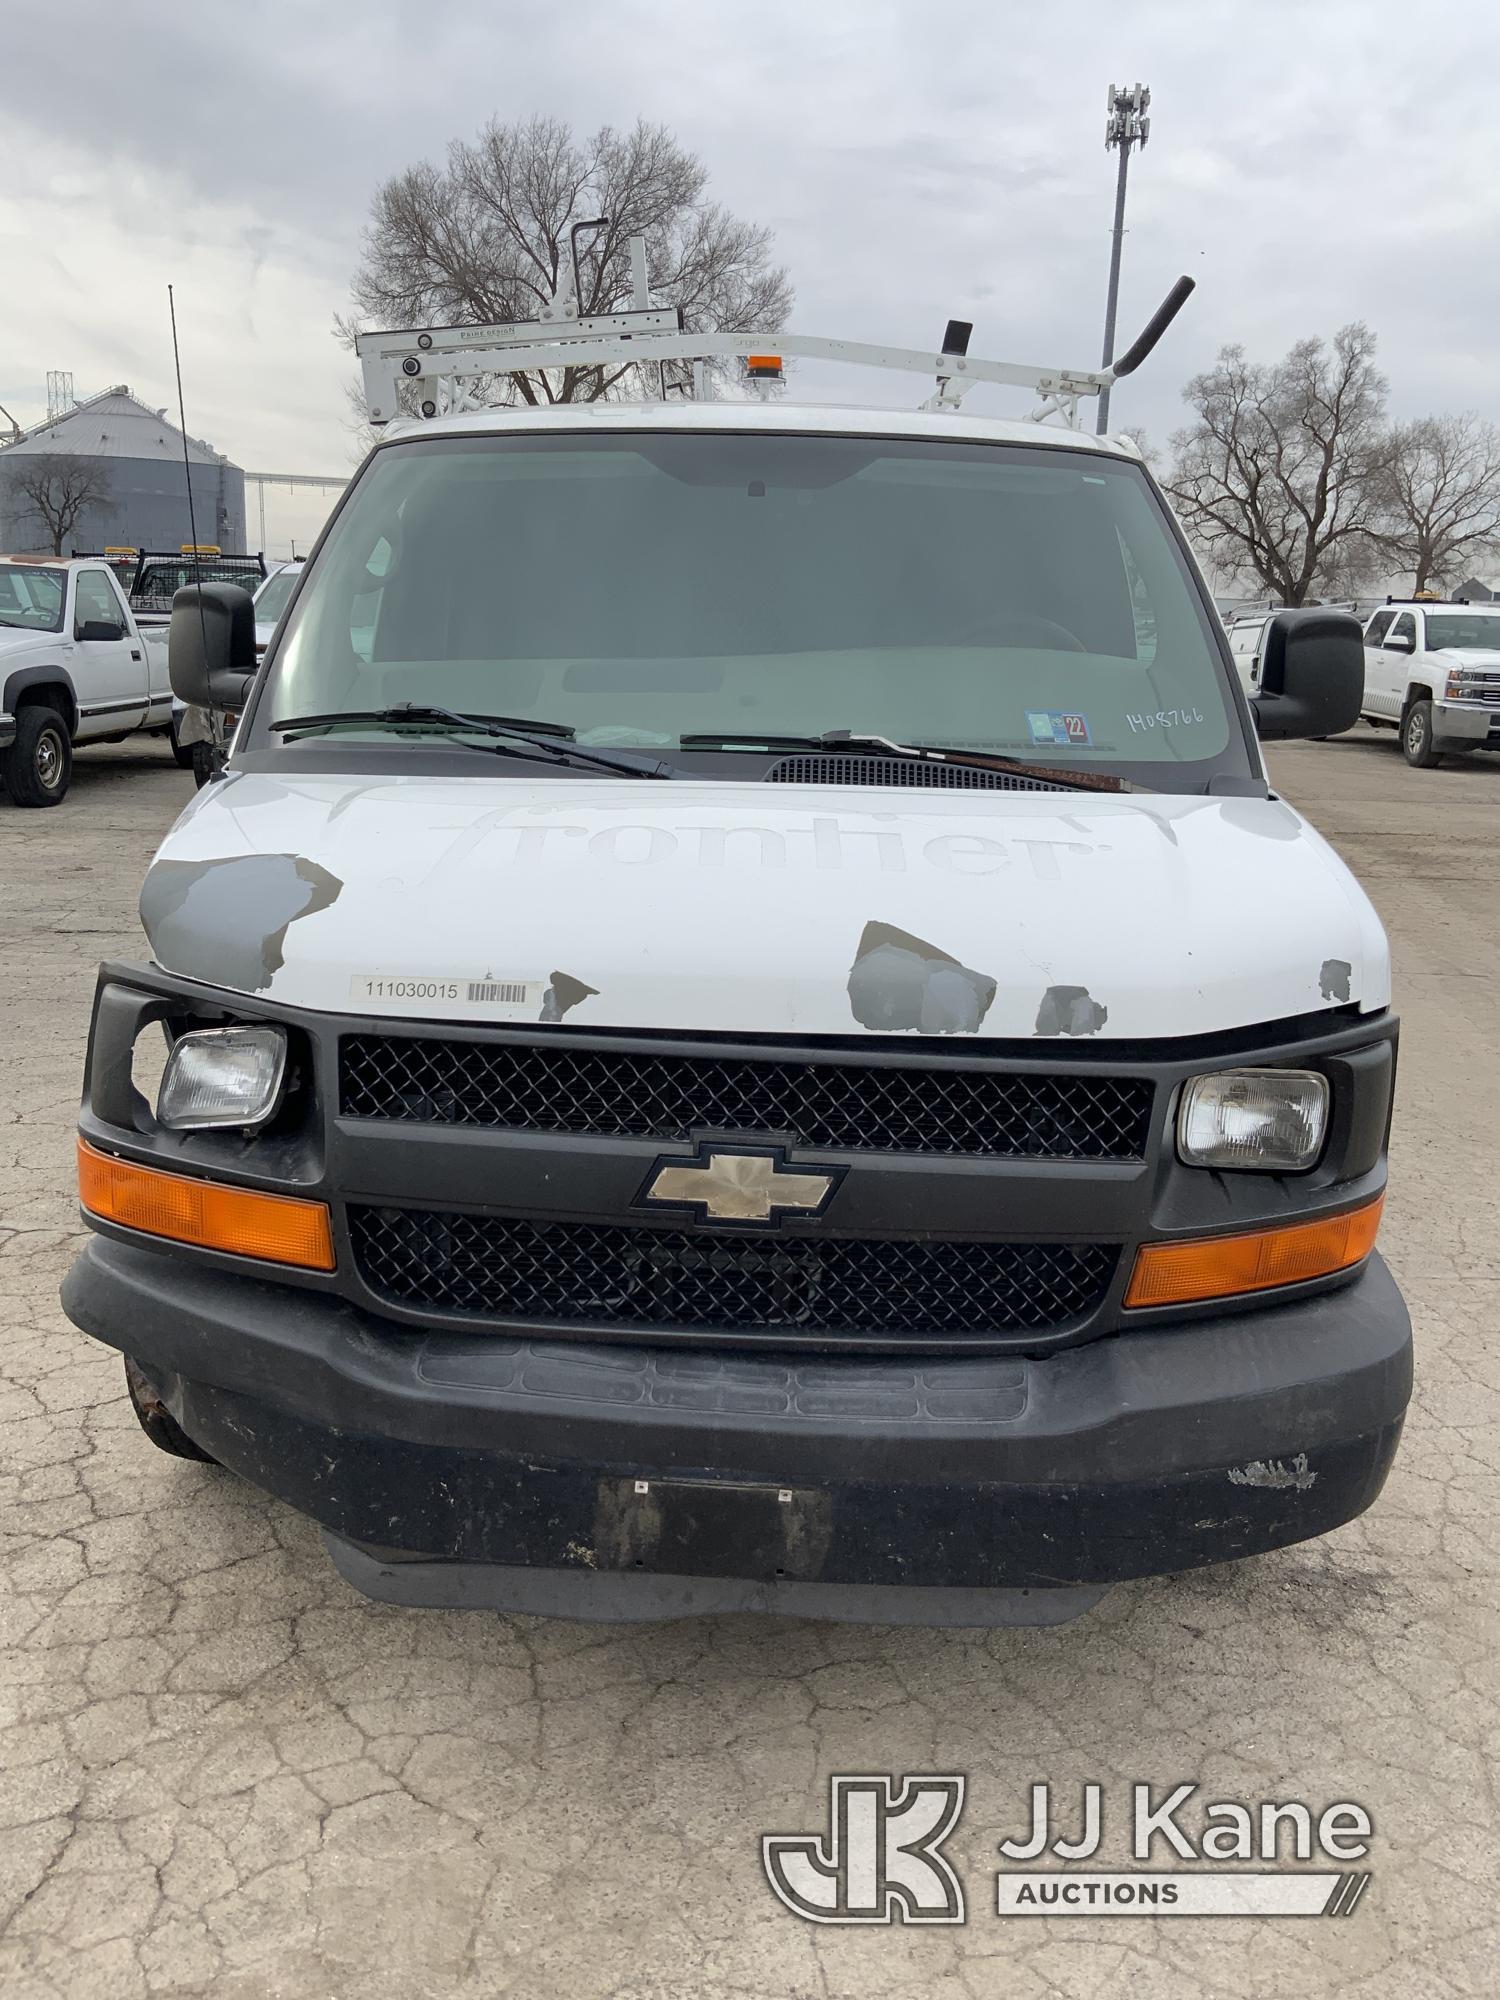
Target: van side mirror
1312	675
211	645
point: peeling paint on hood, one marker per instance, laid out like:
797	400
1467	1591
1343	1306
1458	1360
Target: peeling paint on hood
563	993
225	921
745	908
1333	979
900	982
1070	1010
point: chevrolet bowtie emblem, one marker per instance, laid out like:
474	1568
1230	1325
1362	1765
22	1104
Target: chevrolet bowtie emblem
731	1186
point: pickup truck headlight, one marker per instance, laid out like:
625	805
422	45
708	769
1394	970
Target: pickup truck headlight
218	1077
1260	1120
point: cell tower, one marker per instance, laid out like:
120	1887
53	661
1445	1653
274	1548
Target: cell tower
60	396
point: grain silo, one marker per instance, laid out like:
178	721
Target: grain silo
130	458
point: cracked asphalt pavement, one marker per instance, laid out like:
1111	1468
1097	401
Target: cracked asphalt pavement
222	1772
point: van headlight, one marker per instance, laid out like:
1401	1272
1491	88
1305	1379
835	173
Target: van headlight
222	1077
1264	1120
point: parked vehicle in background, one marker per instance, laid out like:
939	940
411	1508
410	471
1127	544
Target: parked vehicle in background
121	560
151	578
76	666
1432	672
159	574
1247	631
272	599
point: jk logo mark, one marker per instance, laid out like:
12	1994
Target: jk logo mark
880	1862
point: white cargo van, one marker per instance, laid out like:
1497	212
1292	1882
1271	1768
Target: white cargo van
746	1028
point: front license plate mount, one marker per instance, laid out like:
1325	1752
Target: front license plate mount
711	1527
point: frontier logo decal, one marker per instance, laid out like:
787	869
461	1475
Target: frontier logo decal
880	1860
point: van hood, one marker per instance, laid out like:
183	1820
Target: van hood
762	909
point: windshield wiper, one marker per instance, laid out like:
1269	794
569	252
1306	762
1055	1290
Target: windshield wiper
548	742
848	743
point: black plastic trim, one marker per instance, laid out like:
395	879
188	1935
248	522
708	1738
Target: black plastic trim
139	701
1133	1456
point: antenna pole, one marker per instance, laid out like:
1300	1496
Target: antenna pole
187	465
215	720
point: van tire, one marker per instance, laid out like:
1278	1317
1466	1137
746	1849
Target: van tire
182	753
156	1420
39	763
1416	737
201	757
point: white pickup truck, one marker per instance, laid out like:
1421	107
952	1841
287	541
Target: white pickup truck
75	667
1432	671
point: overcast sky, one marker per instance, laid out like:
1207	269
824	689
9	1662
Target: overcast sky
1309	164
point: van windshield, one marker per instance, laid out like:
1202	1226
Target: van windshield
638	588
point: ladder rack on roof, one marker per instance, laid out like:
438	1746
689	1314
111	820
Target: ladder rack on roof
438	363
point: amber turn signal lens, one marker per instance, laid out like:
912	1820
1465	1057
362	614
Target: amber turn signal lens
277	1228
1216	1267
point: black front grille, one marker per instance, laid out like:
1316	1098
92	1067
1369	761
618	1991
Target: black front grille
619	1093
605	1275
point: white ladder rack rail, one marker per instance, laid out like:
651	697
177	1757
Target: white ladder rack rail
436	362
454	355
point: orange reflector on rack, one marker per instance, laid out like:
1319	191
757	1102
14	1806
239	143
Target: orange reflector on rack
277	1228
1216	1267
763	364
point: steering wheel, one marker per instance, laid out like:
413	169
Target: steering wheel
1025	629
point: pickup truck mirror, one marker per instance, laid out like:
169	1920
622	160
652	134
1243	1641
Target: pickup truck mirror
1312	675
1403	643
211	645
97	628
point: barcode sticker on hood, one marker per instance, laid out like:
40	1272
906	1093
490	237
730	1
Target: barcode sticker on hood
413	993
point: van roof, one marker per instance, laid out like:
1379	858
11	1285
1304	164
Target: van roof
773	415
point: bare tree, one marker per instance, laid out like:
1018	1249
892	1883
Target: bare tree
1442	488
56	488
1140	438
486	238
1280	475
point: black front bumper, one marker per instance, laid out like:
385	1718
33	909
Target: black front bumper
616	1480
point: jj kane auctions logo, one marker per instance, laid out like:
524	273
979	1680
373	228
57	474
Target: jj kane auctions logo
881	1861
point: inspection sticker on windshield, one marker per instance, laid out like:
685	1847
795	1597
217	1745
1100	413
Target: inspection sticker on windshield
403	993
1050	725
